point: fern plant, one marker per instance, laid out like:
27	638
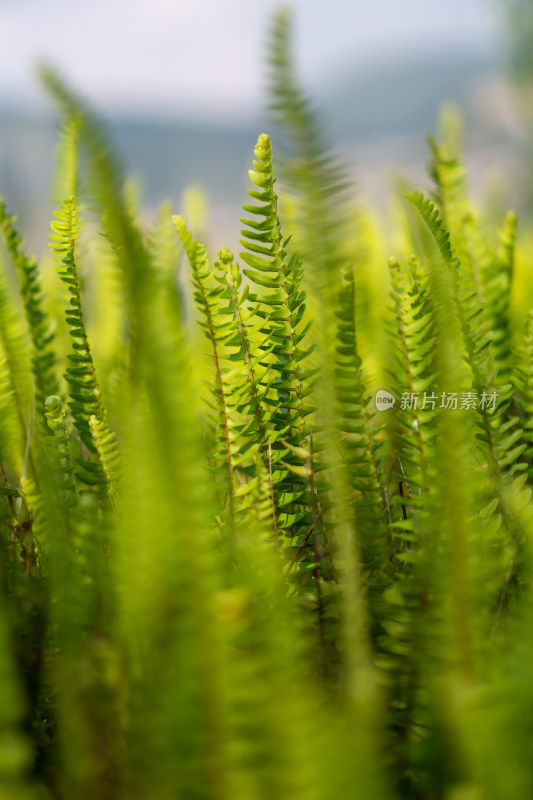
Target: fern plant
238	573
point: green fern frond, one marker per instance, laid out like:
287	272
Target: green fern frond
361	452
483	272
309	171
250	385
476	338
164	255
324	224
109	455
410	482
13	430
218	329
15	746
499	439
449	174
39	326
244	315
106	175
37	507
416	387
282	310
279	303
524	385
105	191
431	217
498	289
59	453
84	390
66	182
16	375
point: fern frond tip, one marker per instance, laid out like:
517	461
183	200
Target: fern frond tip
263	148
225	255
53	404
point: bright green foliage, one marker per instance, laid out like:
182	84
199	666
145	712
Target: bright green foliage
362	453
59	454
26	267
524	386
219	331
258	436
228	571
15	746
283	329
105	194
310	172
499	434
106	445
415	370
84	389
288	383
67	157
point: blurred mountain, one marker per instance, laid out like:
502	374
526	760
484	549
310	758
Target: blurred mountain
165	156
377	117
400	98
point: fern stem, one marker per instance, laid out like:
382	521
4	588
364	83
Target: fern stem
410	381
317	571
222	407
265	448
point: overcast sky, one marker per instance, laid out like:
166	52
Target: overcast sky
205	57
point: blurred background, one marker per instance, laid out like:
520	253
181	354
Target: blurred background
181	85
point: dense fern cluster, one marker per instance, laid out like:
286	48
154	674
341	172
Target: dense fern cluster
288	559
